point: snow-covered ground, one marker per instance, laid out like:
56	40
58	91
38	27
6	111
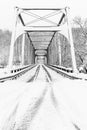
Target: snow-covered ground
43	105
28	75
5	72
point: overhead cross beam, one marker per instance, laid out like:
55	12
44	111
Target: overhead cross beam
43	18
55	29
41	28
52	28
40	8
39	18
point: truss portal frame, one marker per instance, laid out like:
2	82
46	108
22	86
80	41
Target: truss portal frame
43	23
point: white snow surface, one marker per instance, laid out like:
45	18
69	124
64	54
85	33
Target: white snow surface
42	105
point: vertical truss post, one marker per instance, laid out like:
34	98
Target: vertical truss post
59	49
71	42
10	62
23	46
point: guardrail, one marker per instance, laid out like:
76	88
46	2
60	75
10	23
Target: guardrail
65	74
14	70
18	74
63	68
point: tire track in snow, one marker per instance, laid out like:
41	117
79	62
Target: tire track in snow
30	113
48	76
62	110
55	103
33	109
28	75
33	78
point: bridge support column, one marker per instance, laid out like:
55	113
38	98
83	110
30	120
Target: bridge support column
11	54
71	42
23	46
59	49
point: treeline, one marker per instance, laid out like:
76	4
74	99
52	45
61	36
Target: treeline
5	39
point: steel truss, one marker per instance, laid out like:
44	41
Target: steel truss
60	25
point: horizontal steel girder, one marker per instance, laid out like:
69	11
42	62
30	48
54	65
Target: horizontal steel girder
41	28
40	39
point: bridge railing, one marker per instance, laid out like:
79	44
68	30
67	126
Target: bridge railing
16	73
66	74
70	70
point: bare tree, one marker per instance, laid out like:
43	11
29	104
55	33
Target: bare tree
82	53
83	25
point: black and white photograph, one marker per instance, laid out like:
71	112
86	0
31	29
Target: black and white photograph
43	65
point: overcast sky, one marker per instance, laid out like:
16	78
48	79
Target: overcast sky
78	8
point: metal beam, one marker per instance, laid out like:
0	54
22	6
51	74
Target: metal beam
52	37
40	49
21	19
44	48
23	48
40	35
59	49
41	41
63	15
41	28
10	62
58	9
37	34
74	65
40	44
24	25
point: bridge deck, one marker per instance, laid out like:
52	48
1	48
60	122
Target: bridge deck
43	99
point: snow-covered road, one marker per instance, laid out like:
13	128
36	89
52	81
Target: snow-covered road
49	102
